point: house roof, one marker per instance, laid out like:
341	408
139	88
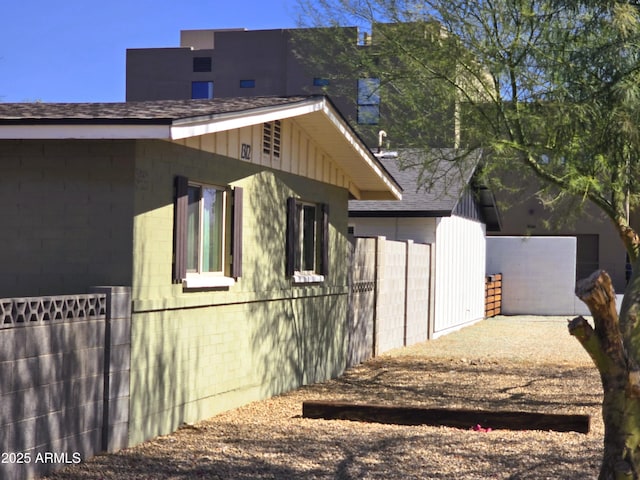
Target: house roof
433	194
178	119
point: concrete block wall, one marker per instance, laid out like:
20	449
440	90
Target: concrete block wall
66	210
54	352
362	283
418	291
389	296
197	352
117	367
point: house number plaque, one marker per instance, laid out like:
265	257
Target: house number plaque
245	153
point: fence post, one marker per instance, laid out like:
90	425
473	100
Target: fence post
432	291
380	243
407	252
117	366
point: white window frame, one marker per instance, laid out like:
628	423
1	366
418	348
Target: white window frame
299	273
197	278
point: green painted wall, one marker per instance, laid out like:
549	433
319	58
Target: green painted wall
196	353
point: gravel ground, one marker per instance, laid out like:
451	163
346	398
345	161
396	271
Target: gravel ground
504	363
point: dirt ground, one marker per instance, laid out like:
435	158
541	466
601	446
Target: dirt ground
504	363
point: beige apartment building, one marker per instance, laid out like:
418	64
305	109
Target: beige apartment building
229	63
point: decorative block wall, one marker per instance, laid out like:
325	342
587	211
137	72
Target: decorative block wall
58	374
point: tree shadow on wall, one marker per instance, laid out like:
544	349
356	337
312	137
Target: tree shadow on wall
299	336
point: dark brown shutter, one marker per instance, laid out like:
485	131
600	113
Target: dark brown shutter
292	235
324	241
180	229
236	229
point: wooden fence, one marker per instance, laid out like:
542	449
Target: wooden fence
493	295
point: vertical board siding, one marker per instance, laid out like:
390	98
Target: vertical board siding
299	154
460	272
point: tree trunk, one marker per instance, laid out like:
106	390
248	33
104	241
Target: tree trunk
614	346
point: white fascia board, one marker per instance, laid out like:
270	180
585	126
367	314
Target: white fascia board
364	152
89	132
231	121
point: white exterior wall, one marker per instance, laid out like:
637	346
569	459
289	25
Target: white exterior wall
420	230
538	274
460	274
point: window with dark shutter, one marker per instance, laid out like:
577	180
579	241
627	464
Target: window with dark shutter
324	240
205	228
307	258
292	235
236	240
180	229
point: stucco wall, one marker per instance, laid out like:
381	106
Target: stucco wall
66	212
420	230
525	215
196	353
538	274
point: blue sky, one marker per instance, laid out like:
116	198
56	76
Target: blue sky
75	50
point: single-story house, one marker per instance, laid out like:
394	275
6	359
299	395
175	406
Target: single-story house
226	217
448	208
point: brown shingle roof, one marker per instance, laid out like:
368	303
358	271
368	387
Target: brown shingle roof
149	112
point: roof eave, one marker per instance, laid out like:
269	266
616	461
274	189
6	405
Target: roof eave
88	131
202	125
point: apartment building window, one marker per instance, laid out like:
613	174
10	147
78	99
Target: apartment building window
202	90
201	64
369	101
207	235
307	240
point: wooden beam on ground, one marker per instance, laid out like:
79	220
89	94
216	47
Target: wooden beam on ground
504	420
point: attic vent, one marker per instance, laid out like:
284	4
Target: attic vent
271	139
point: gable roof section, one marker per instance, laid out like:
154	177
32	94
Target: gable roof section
447	189
179	119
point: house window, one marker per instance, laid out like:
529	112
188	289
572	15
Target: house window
202	90
247	83
205	229
271	138
307	240
201	64
207	237
368	101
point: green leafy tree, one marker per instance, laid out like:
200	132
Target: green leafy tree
545	86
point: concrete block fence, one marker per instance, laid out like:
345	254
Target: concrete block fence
64	379
390	296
